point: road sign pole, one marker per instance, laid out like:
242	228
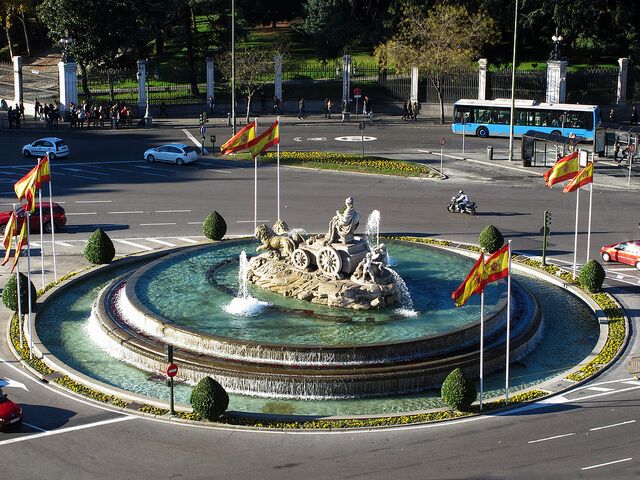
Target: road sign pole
443	141
357	98
441	155
170	373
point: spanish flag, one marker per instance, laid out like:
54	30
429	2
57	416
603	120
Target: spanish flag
7	239
583	178
564	169
44	172
22	240
268	139
497	265
474	283
240	141
26	188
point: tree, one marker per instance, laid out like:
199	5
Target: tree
268	12
439	43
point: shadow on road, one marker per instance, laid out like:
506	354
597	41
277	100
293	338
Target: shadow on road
107	227
46	417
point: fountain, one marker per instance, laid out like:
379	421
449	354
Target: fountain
244	304
372	229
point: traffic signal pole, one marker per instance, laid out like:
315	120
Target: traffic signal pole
545	232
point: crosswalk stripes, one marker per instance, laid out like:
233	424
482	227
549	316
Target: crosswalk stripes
132	244
162	242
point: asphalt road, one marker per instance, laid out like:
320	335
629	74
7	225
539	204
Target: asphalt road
589	433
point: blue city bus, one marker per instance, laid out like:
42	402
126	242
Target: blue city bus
486	118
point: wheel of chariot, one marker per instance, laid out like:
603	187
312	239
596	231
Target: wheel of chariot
300	259
329	261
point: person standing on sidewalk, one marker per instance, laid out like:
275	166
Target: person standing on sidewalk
326	108
329	107
405	110
301	112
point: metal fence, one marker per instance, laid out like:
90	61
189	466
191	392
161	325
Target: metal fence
172	85
457	85
594	86
6	80
633	84
529	85
40	82
311	82
108	86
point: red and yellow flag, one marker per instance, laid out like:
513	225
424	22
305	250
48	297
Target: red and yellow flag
44	172
583	178
474	283
564	169
7	239
240	141
497	265
26	188
22	240
268	139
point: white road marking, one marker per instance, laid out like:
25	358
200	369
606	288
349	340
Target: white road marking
71	169
49	433
251	221
132	244
195	223
64	244
161	242
8	383
127	212
297	139
34	244
611	426
156	224
156	174
93	201
355	138
192	138
551	438
34	427
619	277
96	173
83	176
600	389
521	170
608	463
632	382
624	269
219	171
188	240
81	213
172	211
121	170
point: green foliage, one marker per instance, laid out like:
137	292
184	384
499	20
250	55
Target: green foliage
99	249
209	399
457	391
592	276
214	226
491	239
10	295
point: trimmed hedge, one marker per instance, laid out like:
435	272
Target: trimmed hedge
491	239
100	248
209	399
592	276
10	294
214	227
458	391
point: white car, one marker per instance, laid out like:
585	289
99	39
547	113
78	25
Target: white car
54	146
177	153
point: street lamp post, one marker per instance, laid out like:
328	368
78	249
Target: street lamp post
233	65
65	42
513	83
557	40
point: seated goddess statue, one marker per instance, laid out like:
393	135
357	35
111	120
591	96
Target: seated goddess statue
343	225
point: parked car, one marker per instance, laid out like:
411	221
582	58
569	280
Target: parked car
10	413
177	153
59	216
624	252
56	147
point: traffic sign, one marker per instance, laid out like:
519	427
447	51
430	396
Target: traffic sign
203	130
357	91
172	370
443	142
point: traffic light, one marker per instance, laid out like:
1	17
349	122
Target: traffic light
203	118
545	230
547	219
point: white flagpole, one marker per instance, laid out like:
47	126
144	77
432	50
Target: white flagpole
21	333
41	230
255	188
589	225
575	242
481	345
29	283
53	227
278	165
506	381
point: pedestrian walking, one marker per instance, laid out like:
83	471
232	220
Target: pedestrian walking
301	111
329	107
163	110
21	107
414	110
36	110
326	108
612	116
277	105
366	106
405	110
212	105
634	115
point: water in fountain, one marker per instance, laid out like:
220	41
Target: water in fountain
243	304
372	230
406	303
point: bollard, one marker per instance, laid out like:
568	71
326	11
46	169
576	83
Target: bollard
228	119
489	153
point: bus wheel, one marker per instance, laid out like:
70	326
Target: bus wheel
556	132
482	132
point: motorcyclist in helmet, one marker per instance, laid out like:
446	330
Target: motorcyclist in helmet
461	200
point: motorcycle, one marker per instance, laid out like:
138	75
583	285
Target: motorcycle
454	207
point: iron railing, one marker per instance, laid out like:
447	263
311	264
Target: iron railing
529	84
596	86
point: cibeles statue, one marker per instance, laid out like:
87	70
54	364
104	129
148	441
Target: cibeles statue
343	225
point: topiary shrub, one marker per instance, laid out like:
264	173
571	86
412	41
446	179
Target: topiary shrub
458	391
209	399
10	295
100	248
491	239
214	226
592	276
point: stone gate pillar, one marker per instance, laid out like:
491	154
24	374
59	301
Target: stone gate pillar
482	79
210	79
68	76
278	79
346	81
414	84
142	84
623	72
556	81
17	80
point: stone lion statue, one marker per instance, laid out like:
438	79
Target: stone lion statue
281	245
298	235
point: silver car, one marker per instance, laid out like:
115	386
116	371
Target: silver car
177	153
54	146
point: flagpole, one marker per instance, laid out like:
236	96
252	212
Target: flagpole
29	283
20	331
506	381
278	165
53	228
481	345
255	188
575	242
589	225
41	229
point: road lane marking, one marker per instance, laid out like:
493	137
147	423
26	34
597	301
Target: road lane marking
156	174
93	201
195	223
619	276
121	170
188	240
521	170
551	438
608	463
219	171
64	244
251	221
172	211
33	426
161	242
156	224
126	212
34	244
192	138
600	389
81	213
612	425
132	244
84	176
625	269
632	382
49	433
96	173
8	383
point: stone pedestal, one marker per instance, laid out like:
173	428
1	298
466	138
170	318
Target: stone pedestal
556	81
17	80
142	85
210	80
482	79
68	75
277	60
414	84
623	72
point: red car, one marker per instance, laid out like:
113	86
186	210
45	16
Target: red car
625	252
10	413
59	216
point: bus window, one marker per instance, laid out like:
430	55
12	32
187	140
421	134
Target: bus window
555	119
461	110
502	116
482	115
